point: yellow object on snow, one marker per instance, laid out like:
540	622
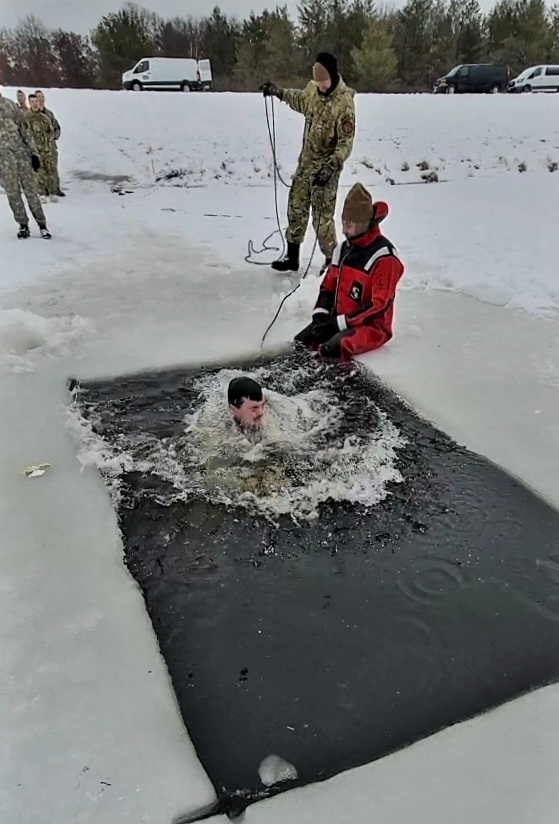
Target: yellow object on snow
36	471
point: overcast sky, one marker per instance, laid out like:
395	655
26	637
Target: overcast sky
82	17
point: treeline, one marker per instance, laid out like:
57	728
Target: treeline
380	48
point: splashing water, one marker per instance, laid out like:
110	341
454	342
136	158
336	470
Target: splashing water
311	448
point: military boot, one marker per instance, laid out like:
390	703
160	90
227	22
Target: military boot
290	263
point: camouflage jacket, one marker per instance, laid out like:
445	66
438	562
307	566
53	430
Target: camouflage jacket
329	124
42	129
54	121
15	136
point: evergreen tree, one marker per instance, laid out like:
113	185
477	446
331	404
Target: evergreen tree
76	59
182	38
520	32
283	57
376	62
121	39
467	23
413	41
221	38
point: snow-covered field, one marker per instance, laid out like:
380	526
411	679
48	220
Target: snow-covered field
154	274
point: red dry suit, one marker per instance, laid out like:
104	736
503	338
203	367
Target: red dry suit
359	289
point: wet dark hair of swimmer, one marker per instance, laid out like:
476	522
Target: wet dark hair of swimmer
243	388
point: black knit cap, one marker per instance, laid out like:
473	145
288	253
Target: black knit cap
330	64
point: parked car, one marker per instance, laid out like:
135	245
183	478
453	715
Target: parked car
536	79
159	73
473	77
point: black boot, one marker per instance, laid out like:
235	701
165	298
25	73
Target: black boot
290	263
23	231
45	234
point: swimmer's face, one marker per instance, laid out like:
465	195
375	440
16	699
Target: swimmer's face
250	413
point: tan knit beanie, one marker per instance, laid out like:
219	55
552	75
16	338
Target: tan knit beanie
358	206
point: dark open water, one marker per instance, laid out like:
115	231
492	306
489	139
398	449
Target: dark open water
334	642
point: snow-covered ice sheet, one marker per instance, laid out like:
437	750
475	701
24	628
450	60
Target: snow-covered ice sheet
157	277
120	136
89	729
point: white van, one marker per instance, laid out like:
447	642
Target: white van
536	79
159	73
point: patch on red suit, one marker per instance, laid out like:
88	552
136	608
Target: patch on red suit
356	291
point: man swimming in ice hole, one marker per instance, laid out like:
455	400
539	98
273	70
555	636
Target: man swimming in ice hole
247	403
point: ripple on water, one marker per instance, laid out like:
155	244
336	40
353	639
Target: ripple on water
430	580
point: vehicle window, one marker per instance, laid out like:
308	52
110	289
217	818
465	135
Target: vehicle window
463	71
453	72
554	70
535	73
142	67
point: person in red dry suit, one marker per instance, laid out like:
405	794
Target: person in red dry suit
355	306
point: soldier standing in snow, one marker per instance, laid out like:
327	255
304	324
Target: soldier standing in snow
42	129
328	106
19	163
54	151
22	101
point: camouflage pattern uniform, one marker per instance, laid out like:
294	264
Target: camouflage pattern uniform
52	153
16	172
327	141
42	129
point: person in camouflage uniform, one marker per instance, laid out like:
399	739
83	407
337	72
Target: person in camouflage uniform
42	129
328	106
53	153
22	101
19	162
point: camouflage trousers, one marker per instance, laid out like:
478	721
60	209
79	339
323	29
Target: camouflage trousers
47	176
55	175
16	174
304	197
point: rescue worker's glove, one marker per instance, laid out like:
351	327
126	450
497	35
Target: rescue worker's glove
306	337
326	327
270	89
331	350
320	330
323	176
36	162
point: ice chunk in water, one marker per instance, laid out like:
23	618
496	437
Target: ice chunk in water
274	770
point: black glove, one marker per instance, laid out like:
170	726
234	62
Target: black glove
326	327
322	328
35	162
323	176
331	350
270	89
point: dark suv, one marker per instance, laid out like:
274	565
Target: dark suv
473	77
